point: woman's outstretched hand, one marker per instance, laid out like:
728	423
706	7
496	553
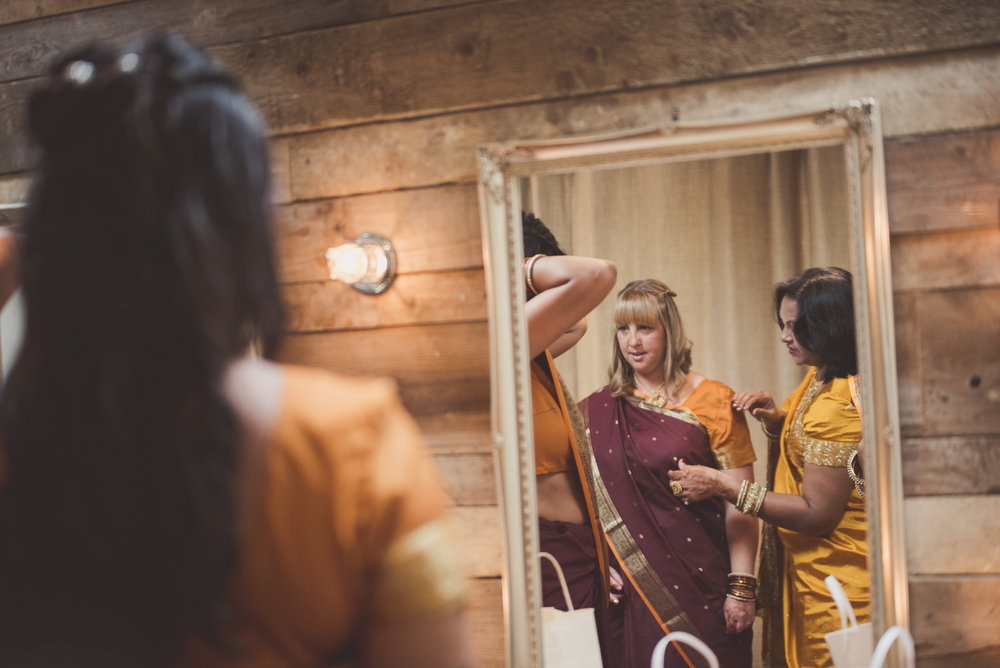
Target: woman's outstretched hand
761	406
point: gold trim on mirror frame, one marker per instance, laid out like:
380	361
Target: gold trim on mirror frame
856	126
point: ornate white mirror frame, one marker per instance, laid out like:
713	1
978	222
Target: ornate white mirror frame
856	127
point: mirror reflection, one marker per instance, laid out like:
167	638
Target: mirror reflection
674	363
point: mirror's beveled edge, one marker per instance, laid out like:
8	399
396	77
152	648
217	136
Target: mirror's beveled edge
857	126
884	478
511	421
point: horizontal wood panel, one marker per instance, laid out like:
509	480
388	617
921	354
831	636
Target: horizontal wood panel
959	335
955	618
481	535
27	48
432	229
13	189
478	56
486	622
439	368
434	298
470	478
943	182
13	11
951	465
432	151
953	534
457	433
982	658
959	259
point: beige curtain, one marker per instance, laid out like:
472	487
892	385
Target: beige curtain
721	233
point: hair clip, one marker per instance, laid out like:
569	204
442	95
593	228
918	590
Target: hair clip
128	62
79	72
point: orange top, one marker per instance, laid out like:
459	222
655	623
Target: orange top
729	437
553	444
349	528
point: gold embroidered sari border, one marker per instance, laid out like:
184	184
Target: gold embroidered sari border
682	414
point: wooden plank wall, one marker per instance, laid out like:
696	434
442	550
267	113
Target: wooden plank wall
377	106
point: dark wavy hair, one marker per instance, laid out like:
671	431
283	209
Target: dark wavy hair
146	269
825	322
537	237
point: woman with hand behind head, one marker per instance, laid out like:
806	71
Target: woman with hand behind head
818	514
688	566
167	498
561	290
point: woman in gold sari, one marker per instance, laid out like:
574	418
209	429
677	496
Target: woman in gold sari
814	509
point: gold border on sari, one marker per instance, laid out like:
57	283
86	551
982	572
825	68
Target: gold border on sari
659	600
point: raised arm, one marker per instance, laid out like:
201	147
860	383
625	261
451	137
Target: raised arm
569	287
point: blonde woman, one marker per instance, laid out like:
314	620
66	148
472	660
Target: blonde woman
687	566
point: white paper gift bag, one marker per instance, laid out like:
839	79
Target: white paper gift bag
682	638
850	646
569	637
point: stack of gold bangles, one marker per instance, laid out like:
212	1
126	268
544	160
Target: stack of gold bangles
742	587
750	498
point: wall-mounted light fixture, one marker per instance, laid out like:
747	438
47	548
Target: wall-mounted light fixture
367	264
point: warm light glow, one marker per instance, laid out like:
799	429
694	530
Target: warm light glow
368	263
348	262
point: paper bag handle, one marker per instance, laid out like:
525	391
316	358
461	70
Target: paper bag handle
686	639
843	605
888	638
562	578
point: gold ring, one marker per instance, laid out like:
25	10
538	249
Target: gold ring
676	486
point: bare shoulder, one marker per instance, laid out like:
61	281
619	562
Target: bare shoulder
255	388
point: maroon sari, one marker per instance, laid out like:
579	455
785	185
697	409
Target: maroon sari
675	557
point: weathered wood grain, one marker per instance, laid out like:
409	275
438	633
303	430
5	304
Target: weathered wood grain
281	187
13	189
959	346
435	150
522	50
955	619
480	536
432	229
439	368
486	621
953	535
909	375
941	465
28	47
14	11
428	298
944	260
469	478
457	432
432	151
943	182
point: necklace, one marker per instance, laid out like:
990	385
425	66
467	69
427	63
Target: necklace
655	397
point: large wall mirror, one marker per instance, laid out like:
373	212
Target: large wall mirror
720	212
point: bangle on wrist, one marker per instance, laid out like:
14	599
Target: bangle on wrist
770	434
529	268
